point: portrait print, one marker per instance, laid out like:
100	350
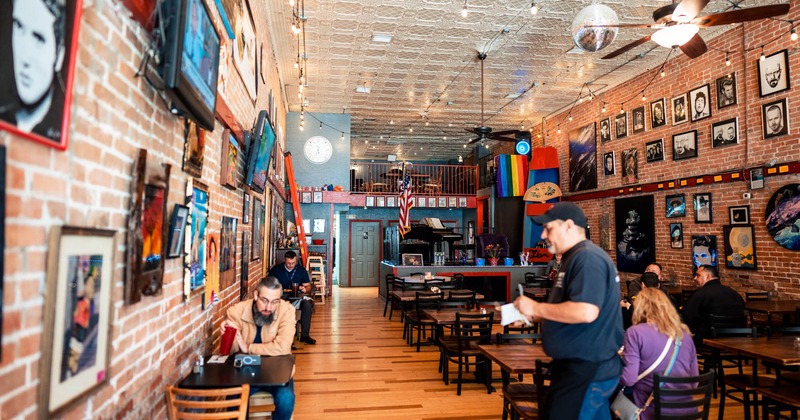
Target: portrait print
702	208
605	130
654	151
227	252
635	233
638	120
704	251
630	166
38	73
582	158
740	247
725	133
726	90
701	103
211	290
621	126
658	113
676	235
684	145
773	73
676	206
775	118
609	163
679	112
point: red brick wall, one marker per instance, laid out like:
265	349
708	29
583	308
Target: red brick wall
153	342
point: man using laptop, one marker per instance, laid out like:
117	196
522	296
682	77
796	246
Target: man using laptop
294	276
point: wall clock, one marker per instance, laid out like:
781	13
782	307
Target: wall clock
318	149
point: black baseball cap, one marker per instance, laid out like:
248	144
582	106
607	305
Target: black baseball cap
563	211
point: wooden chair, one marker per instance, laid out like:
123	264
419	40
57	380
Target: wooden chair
261	405
417	320
390	286
224	403
471	330
758	296
527	408
434	186
697	397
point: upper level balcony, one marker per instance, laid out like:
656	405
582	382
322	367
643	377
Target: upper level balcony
425	179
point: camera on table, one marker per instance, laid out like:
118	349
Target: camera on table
240	360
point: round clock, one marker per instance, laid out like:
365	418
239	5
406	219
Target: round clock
522	147
318	149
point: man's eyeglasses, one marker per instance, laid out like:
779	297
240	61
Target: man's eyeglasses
268	303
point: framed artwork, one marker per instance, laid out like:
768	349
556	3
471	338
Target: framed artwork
635	232
756	178
739	215
740	247
305	197
442	202
637	115
211	289
421	202
462	201
654	151
684	145
319	226
658	113
53	66
609	163
147	228
258	229
451	202
432	202
193	149
621	126
316	197
77	315
194	274
773	73
412	259
227	252
775	118
370	201
391	201
700	98
725	133
704	251
261	64
676	235
583	158
679	115
702	208
229	159
246	208
675	206
380	201
605	130
726	90
782	217
262	144
630	166
2	234
177	230
244	281
244	46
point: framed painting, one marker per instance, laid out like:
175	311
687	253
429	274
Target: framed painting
740	247
244	46
583	158
635	233
370	201
725	133
316	197
773	73
229	159
380	201
412	260
246	208
441	202
704	251
421	202
147	227
630	166
227	252
775	118
462	202
654	151
211	290
782	217
42	92
684	145
193	149
305	197
676	235
244	282
679	114
391	201
739	215
609	163
76	333
621	125
177	230
194	273
605	130
258	229
756	178
658	113
675	206
700	98
451	202
702	208
432	202
637	115
726	91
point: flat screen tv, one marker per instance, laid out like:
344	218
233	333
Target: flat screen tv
260	150
189	62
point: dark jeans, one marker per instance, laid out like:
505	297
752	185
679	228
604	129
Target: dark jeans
306	309
283	398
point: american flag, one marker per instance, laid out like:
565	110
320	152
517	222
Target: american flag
406	202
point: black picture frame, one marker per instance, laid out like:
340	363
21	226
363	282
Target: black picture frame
725	133
676	235
630	166
177	231
658	113
246	209
635	233
258	230
609	170
773	73
604	130
621	126
739	215
769	118
740	247
684	145
654	151
638	120
412	260
695	96
703	208
726	91
680	113
675	206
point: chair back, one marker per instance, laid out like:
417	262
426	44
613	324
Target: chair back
688	394
517	338
433	282
472	329
753	296
718	332
413	286
457	281
783	329
427	300
391	283
728	321
533	280
532	329
212	404
464	300
541	378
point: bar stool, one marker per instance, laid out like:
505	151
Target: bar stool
316	270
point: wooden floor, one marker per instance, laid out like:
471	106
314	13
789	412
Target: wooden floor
361	368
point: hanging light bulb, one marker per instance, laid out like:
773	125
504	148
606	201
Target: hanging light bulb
793	36
727	59
297	64
763	57
342	137
663	73
291	3
410	130
464	11
559	130
391	121
570	118
320	125
603	110
644	98
534	8
621	108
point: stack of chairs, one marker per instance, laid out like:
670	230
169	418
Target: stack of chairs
316	270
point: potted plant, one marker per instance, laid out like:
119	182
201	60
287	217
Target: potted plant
493	253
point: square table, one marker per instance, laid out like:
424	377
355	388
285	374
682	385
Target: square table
773	307
777	350
273	371
411	295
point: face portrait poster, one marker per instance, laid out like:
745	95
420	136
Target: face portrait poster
679	114
726	91
227	252
630	166
583	158
701	103
605	130
773	73
658	113
36	92
635	233
775	118
211	292
638	120
704	251
609	163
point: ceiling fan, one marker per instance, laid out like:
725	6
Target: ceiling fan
484	132
678	24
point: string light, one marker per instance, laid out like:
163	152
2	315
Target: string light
464	11
534	8
793	36
763	57
320	125
727	59
342	137
663	73
570	118
603	110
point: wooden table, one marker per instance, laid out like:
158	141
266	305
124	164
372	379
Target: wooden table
444	317
515	358
773	307
421	279
777	350
536	293
273	371
411	295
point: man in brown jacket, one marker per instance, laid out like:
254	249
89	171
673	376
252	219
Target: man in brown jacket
266	326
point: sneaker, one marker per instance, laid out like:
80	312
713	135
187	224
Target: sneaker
308	340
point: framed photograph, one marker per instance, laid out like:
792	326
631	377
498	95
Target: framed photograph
462	202
701	103
421	202
773	73
725	133
637	115
316	197
432	202
775	118
194	266
77	315
756	178
380	201
658	113
702	208
193	149
630	166
229	159
679	115
258	229
684	145
305	197
177	231
740	247
244	47
634	219
227	252
319	226
370	201
451	202
675	206
704	251
621	126
246	209
442	202
391	201
244	281
609	163
654	151
45	111
211	290
726	90
605	130
412	259
739	215
676	235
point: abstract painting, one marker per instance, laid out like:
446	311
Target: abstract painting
227	262
740	247
635	229
195	266
229	159
783	216
583	158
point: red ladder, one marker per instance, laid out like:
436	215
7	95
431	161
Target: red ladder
298	215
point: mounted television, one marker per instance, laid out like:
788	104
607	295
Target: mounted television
189	62
260	150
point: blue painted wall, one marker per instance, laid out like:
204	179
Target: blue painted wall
336	171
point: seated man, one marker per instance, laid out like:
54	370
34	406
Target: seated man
711	298
265	325
636	286
290	273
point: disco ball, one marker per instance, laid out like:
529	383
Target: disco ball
594	39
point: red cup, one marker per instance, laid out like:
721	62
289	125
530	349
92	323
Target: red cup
227	340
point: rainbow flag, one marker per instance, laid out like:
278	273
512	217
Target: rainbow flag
512	175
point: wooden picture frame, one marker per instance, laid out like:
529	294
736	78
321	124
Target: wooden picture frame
676	235
675	206
227	252
703	208
194	267
258	229
654	151
700	97
658	113
725	133
76	334
621	126
605	130
229	159
147	228
684	145
638	120
740	247
773	73
53	129
739	215
726	91
775	118
680	113
193	149
177	231
412	260
246	208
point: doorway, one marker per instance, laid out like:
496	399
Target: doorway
365	253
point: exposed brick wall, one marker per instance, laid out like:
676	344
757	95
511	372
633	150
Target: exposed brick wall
153	342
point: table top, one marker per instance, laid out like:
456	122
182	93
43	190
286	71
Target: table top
274	370
533	292
514	358
448	316
772	306
421	279
779	350
411	295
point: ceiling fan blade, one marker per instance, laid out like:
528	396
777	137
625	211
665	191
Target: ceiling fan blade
627	48
742	15
504	139
475	140
503	133
471	130
687	10
695	47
